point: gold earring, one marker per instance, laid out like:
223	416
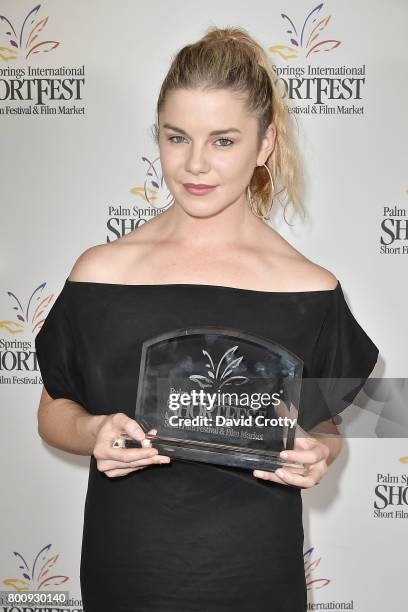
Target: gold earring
252	204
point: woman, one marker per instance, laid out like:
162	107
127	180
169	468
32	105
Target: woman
189	536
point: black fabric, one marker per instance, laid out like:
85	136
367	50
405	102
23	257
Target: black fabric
342	360
190	537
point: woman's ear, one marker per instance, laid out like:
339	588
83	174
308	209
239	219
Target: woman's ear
268	144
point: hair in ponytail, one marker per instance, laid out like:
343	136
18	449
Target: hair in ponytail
229	58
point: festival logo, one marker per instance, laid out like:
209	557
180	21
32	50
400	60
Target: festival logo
315	584
310	566
28	41
26	89
37	576
17	355
153	198
391	494
316	89
27	315
394	230
305	40
217	378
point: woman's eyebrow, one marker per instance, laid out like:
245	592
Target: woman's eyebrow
213	133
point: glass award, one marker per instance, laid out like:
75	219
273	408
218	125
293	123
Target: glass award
219	395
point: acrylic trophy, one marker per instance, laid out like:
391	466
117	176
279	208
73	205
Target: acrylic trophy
219	395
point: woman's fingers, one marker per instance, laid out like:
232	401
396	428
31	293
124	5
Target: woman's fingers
124	455
122	461
313	478
128	426
106	464
114	473
268	476
286	476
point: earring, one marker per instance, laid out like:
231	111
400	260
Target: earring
252	204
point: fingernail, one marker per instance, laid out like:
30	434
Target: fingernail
284	454
259	473
165	461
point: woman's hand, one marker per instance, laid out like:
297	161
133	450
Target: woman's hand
307	450
121	461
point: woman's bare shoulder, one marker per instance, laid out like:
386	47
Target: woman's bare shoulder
313	277
302	274
92	264
107	262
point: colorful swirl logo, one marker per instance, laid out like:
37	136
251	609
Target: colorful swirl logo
36	577
27	42
310	566
31	313
154	190
305	40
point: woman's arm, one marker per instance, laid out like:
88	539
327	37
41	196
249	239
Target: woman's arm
66	425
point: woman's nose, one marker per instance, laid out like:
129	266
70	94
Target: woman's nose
197	159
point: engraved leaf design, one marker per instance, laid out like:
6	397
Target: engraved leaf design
243	380
234	364
209	357
200	380
227	356
230	351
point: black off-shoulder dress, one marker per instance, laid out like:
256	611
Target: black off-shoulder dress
189	536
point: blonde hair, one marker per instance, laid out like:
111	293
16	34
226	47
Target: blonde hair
229	58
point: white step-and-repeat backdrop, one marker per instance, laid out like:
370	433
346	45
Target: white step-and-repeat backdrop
78	87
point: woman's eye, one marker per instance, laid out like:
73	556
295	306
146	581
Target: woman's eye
225	140
171	138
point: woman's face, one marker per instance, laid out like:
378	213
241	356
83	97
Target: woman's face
189	153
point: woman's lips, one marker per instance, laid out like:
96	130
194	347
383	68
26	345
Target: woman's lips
198	190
